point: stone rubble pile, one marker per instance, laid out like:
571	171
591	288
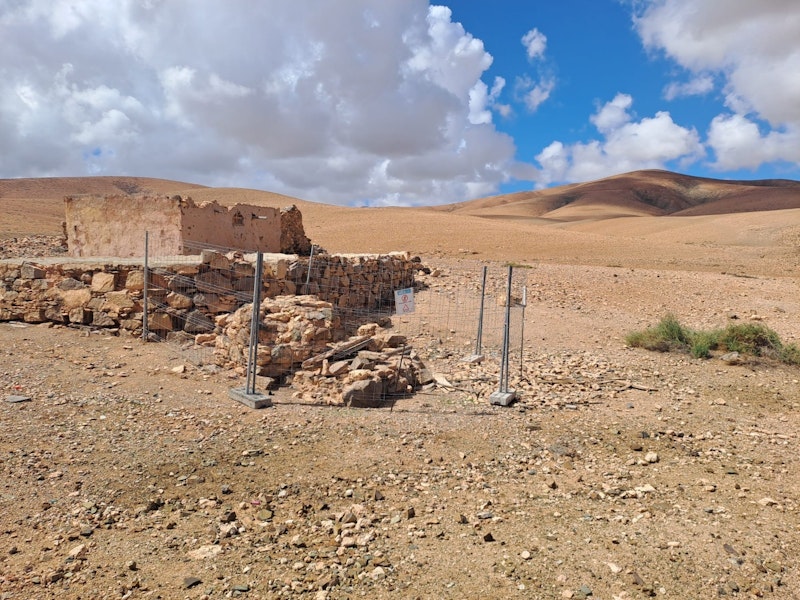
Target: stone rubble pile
385	369
365	370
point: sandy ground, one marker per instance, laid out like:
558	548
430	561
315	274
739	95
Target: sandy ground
620	474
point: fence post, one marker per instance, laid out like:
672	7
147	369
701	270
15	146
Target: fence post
503	396
145	331
310	261
478	355
248	394
522	330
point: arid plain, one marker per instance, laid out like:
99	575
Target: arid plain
624	473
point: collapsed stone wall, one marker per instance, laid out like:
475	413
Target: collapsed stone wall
188	295
298	336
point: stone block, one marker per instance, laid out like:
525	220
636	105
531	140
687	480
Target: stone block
134	281
80	316
29	271
159	322
179	301
103	282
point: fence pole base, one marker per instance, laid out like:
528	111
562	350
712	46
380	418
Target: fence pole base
502	398
255	400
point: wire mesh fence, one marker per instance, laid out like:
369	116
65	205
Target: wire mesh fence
456	315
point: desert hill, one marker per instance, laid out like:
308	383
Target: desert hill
640	193
648	219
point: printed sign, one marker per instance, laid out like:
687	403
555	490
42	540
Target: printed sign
404	301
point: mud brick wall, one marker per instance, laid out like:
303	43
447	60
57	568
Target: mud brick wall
187	295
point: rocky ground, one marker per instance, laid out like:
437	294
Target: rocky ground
127	472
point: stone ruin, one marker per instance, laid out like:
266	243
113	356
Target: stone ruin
115	225
206	299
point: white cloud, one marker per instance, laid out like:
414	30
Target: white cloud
535	43
738	143
365	100
627	145
614	114
754	47
697	86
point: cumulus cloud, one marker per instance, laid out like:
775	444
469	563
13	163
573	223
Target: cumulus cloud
754	48
626	145
359	101
535	43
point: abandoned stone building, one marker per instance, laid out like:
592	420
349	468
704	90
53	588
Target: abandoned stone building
115	225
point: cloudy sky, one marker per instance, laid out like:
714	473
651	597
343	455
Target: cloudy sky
375	102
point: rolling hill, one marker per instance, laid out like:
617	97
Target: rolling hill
646	219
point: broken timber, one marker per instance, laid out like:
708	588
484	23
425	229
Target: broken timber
337	352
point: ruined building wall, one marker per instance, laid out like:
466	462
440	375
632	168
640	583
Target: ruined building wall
116	225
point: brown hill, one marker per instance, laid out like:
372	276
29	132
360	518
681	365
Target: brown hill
641	193
33	206
650	219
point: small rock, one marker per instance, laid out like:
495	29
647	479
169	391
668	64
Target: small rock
13	399
241	587
651	457
205	552
410	512
525	555
190	582
488	537
731	358
773	565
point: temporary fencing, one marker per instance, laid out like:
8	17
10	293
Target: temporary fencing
444	314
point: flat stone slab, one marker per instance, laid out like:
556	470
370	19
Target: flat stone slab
502	398
256	400
13	399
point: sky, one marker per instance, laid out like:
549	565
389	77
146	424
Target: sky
399	102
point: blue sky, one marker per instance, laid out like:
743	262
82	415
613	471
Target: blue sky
403	102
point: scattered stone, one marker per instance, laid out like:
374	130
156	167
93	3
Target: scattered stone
651	457
14	398
205	552
190	582
731	358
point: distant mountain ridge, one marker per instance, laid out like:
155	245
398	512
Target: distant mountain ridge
639	193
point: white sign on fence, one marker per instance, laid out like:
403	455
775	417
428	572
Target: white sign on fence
404	301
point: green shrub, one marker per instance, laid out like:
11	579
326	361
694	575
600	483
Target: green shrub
703	342
750	338
745	338
790	354
668	335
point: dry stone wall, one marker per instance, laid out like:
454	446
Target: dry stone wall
188	295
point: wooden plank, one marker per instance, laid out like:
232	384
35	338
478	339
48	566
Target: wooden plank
337	352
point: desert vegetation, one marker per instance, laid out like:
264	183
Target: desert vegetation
752	339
